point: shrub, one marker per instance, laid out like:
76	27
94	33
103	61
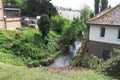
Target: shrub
112	65
91	62
36	63
44	25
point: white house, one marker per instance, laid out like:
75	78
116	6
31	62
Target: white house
104	34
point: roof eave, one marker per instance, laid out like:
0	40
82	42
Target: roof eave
103	24
12	9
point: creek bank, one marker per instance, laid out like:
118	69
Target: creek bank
66	57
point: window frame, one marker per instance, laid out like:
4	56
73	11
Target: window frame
118	36
102	34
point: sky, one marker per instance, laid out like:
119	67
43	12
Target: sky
78	4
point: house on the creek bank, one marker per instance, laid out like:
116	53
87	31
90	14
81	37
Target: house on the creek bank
104	33
9	17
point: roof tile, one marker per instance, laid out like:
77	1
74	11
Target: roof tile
110	16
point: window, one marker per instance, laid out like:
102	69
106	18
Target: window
16	13
8	14
102	32
119	34
12	13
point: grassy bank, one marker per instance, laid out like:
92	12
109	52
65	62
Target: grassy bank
10	72
29	46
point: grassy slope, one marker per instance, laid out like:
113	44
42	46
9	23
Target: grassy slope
28	45
10	72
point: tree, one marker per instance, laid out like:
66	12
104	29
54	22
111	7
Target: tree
31	7
58	23
100	5
12	2
96	6
104	4
86	12
74	31
44	25
39	7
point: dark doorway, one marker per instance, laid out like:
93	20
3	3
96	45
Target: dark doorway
106	54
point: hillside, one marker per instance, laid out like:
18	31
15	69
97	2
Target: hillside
27	46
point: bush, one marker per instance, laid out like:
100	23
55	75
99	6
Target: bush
112	65
36	63
44	25
91	62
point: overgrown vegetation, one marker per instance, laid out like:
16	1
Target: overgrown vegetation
74	32
91	62
29	45
112	65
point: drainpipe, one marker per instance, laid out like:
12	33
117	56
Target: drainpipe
4	17
5	21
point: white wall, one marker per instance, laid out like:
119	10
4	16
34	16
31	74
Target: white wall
111	34
2	25
69	14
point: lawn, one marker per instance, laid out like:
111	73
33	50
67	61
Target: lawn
10	72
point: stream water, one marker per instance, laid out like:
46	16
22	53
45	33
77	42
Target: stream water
65	59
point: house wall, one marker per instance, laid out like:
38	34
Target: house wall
98	44
96	48
111	34
12	24
69	14
1	16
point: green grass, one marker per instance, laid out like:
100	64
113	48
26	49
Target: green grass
10	72
11	59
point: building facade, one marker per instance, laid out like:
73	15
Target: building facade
69	14
9	17
104	34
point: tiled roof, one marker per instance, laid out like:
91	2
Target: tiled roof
110	16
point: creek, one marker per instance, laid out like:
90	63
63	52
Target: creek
65	59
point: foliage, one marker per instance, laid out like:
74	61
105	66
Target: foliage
91	62
112	65
86	12
58	24
104	4
13	2
44	25
97	2
11	59
28	45
9	72
74	31
98	7
39	7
